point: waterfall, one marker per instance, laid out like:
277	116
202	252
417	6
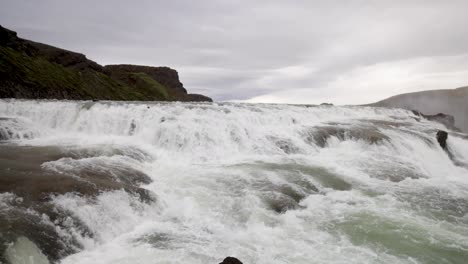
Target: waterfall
146	182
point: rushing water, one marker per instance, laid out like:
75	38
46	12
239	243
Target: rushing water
111	182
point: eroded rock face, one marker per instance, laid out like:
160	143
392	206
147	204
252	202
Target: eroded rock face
164	75
7	37
231	260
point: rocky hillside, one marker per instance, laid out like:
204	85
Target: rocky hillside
38	71
453	102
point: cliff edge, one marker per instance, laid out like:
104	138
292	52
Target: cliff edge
32	70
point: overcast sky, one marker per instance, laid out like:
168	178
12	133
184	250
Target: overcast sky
296	51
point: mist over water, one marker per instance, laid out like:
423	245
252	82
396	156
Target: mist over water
194	183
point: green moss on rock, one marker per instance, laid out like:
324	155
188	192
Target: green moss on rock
35	77
34	70
149	87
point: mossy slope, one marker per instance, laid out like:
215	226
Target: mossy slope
38	71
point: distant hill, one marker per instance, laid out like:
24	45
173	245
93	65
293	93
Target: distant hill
453	102
34	70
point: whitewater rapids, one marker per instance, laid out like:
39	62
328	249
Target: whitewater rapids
263	183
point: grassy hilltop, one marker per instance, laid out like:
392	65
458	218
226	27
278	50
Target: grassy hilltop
34	70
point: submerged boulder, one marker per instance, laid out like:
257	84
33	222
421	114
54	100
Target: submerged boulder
320	134
231	260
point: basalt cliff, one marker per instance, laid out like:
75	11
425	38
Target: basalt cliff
32	70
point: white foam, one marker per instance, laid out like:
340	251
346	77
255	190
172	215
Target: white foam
214	167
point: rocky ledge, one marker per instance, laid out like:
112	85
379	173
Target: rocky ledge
444	119
34	70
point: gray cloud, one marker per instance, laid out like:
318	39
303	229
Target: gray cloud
271	51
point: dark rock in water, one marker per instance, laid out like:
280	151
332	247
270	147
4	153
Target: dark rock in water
321	134
283	198
231	260
282	203
442	138
285	145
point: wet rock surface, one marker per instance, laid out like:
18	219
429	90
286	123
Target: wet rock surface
442	138
320	135
23	174
27	190
40	222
